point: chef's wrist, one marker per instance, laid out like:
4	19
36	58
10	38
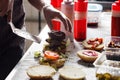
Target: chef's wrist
46	6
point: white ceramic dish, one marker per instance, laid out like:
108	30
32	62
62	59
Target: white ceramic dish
114	39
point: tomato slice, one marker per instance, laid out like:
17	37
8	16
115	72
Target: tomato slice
100	40
51	55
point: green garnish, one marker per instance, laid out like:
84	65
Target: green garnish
37	54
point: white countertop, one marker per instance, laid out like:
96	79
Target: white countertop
19	72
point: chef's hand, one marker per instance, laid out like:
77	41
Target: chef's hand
6	8
51	13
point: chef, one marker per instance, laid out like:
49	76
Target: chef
11	45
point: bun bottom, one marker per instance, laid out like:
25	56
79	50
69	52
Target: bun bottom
88	46
55	64
87	58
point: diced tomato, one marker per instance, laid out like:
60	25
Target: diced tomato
51	55
91	41
95	42
100	40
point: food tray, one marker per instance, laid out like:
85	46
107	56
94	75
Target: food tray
102	65
114	39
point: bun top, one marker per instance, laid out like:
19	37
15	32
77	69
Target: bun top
72	73
40	71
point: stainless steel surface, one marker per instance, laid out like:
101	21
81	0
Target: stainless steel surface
24	34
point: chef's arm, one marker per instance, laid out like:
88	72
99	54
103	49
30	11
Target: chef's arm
39	4
50	13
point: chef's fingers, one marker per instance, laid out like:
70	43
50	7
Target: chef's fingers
65	21
69	25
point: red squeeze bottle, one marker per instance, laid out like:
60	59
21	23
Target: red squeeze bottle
115	24
55	22
80	19
56	4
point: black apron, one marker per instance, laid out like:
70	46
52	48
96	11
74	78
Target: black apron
11	45
7	37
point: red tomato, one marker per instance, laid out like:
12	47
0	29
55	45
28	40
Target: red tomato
51	55
100	40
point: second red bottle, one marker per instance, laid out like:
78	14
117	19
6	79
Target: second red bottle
80	20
